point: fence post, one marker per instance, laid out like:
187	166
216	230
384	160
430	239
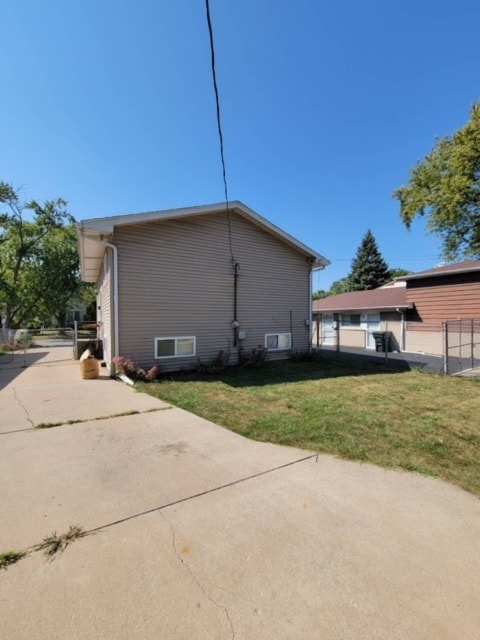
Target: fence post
386	342
472	362
445	347
75	338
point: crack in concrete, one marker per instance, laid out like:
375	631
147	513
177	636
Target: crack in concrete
23	407
54	425
196	579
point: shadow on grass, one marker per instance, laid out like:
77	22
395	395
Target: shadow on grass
288	371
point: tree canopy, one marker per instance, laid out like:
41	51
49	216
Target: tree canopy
445	188
369	269
39	269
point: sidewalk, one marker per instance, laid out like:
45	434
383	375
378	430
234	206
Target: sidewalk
196	532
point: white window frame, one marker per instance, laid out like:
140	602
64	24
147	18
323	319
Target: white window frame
176	340
279	337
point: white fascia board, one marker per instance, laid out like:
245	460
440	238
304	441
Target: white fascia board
363	309
97	227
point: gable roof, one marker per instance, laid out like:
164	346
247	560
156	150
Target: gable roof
92	234
382	299
466	266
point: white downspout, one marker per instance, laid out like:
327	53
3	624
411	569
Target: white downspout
114	248
402	328
310	302
115	290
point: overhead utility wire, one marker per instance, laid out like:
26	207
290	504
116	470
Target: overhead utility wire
219	125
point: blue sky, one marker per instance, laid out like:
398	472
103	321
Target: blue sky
325	107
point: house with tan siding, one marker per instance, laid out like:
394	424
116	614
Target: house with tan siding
413	309
176	287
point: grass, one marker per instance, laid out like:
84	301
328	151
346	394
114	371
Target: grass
411	420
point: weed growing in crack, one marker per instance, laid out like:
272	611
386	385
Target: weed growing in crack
11	557
53	544
48	425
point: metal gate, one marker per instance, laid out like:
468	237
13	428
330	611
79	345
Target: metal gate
461	346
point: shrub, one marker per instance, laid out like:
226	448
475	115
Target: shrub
253	358
216	365
306	355
132	370
23	339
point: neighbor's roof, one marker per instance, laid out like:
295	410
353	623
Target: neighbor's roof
93	233
382	299
466	266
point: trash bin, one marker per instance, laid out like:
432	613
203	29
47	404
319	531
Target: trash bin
381	340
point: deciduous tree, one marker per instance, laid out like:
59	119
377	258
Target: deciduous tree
445	188
24	227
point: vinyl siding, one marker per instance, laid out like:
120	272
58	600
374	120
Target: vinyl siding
176	279
105	313
440	299
437	300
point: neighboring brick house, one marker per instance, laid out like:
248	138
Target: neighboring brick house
178	286
413	308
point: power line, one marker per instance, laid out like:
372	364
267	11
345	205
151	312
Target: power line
219	124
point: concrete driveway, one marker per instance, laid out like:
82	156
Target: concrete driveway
195	532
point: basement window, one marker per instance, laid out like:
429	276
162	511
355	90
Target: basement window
278	341
175	347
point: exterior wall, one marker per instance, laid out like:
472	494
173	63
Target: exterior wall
176	279
436	300
445	298
391	321
352	338
424	337
357	337
105	312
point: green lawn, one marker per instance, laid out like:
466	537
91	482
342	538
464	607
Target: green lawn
412	420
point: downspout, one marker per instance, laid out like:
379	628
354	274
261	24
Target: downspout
311	262
235	323
114	248
402	328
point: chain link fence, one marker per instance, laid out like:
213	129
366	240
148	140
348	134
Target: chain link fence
17	342
82	336
7	346
461	346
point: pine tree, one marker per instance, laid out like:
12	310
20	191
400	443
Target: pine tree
369	269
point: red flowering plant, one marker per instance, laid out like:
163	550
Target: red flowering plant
130	368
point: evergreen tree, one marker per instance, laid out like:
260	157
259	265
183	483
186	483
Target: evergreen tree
369	269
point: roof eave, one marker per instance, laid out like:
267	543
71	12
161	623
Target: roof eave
429	274
95	230
397	307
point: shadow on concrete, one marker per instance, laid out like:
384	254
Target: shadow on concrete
12	366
